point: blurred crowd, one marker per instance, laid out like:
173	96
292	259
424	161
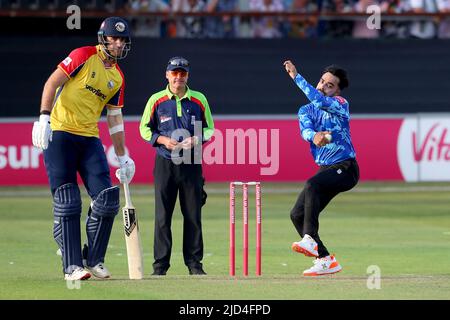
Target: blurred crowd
304	26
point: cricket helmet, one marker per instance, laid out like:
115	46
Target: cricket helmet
114	27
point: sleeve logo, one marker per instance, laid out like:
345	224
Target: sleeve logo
340	100
67	61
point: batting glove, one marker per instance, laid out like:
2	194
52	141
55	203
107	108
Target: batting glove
127	168
42	133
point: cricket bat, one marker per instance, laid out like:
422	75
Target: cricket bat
132	238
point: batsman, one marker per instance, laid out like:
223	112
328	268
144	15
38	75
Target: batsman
74	96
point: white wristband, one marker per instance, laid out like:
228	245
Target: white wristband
116	129
113	112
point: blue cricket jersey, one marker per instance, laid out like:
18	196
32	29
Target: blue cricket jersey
325	114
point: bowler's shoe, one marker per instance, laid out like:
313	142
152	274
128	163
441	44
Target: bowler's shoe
308	246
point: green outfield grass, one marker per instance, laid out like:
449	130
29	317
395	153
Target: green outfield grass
404	229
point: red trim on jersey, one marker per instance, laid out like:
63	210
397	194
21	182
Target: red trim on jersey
122	89
76	59
65	72
199	103
157	102
202	107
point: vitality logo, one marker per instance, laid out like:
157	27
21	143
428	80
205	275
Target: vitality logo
423	149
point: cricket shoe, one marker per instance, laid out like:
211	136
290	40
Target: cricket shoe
78	274
323	266
99	271
307	246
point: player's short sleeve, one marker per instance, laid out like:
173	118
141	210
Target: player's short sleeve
73	63
117	99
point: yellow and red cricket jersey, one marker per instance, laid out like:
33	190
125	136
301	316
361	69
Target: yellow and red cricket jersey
79	102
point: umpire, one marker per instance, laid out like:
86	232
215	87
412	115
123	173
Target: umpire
177	121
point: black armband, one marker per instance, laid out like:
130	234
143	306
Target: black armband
45	112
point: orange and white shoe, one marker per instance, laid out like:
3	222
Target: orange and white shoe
307	246
323	266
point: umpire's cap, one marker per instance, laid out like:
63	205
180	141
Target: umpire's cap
178	63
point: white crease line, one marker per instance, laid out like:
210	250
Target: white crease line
268	190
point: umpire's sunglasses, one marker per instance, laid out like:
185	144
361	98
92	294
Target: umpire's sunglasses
178	73
179	62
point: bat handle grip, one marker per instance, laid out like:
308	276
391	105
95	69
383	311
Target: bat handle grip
126	189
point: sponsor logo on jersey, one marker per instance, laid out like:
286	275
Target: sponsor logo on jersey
164	118
97	92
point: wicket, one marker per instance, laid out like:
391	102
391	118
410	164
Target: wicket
245	226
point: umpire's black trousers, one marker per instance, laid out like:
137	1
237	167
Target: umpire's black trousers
187	181
317	193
